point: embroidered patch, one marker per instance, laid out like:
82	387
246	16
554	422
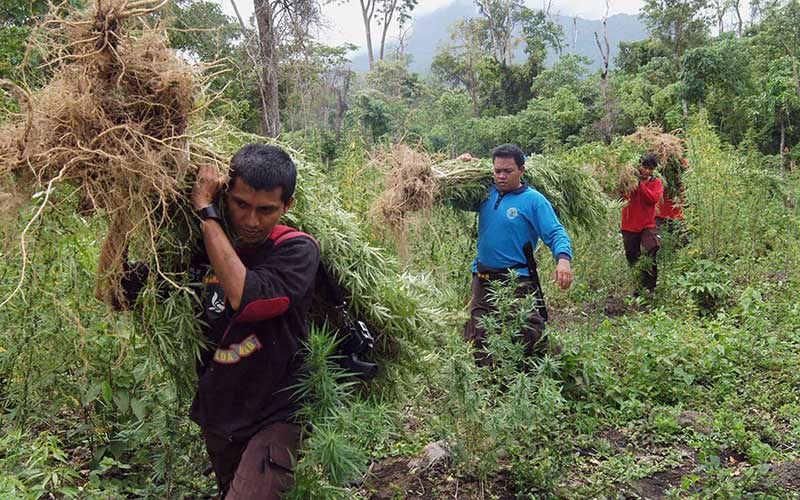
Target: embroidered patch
236	352
217	304
512	213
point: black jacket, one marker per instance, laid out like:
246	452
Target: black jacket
246	377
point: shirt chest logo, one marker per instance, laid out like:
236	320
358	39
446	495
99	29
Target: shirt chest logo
236	352
512	213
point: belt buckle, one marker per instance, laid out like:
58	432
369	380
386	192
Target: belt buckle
483	276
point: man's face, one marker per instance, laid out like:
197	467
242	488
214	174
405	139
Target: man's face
507	175
645	172
254	213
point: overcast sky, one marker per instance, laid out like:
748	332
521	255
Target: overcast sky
344	22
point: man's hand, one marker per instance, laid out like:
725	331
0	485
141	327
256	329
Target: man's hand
563	274
206	186
465	157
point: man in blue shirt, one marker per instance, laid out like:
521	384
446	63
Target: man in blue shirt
513	215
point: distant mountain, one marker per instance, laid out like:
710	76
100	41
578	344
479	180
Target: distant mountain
431	30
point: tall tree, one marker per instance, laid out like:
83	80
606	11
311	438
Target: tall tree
605	124
277	21
678	24
736	6
458	62
720	9
501	19
383	13
494	83
539	32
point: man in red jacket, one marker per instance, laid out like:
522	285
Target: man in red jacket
639	219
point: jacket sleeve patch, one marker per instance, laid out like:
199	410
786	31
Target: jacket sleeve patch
263	309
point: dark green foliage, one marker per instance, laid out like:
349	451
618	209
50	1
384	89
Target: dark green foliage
634	56
374	116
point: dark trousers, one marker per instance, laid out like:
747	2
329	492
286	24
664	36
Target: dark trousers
479	305
634	242
256	469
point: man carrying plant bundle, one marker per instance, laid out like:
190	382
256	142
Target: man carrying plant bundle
257	290
244	402
639	220
511	220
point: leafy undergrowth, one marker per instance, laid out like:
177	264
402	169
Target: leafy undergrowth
690	393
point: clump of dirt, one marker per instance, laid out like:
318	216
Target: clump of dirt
655	487
786	475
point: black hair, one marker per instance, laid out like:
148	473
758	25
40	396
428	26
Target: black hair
509	151
648	160
264	168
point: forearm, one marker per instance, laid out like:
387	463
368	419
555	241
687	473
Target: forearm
226	264
651	192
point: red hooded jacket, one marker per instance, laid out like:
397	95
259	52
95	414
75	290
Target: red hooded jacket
668	209
640	212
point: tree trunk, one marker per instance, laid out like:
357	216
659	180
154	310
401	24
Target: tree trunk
783	145
738	19
472	87
387	20
270	119
341	102
574	33
255	61
367	9
605	53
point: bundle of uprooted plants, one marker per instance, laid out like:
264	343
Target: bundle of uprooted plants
616	175
118	125
111	122
668	148
415	182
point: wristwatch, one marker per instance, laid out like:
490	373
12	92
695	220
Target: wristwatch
209	212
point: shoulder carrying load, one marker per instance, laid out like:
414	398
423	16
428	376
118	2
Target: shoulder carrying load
354	336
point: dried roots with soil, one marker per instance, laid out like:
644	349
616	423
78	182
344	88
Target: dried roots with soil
112	122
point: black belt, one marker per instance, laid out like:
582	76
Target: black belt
488	273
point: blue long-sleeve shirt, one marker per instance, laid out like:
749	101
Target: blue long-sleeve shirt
506	222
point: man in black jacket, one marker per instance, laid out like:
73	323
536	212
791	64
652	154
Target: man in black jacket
257	296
